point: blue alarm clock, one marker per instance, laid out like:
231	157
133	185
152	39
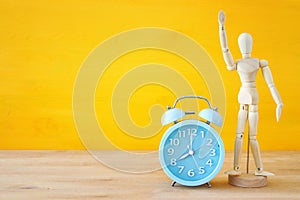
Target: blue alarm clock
191	151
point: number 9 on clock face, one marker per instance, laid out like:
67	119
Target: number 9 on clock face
191	152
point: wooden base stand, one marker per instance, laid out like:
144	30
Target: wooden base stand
247	180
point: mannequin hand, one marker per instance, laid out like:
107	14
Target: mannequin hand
278	111
221	18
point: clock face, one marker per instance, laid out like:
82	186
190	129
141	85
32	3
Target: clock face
191	152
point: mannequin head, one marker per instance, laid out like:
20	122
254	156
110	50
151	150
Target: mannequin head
245	44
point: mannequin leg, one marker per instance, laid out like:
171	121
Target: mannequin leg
253	120
238	147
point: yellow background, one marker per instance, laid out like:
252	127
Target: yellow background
43	43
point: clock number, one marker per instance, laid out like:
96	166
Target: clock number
209	143
209	162
202	134
201	170
180	169
173	162
170	151
212	152
191	173
174	141
192	131
181	134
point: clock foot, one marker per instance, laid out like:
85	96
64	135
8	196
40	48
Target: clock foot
208	184
173	183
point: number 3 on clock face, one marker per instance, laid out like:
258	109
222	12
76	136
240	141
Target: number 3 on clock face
191	152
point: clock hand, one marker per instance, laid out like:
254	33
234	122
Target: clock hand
189	153
195	162
184	156
191	141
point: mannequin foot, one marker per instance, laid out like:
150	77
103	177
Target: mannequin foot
263	173
233	172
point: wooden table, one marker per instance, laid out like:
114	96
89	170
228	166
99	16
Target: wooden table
77	175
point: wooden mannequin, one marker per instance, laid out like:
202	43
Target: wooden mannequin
247	68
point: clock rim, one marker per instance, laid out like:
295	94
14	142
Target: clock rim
211	175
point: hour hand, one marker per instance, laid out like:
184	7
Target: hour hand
190	153
184	156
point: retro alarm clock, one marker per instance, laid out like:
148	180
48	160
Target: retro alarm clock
191	151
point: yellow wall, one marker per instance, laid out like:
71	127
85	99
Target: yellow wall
43	43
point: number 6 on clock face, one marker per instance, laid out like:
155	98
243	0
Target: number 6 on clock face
191	152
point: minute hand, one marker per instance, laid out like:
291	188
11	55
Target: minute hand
191	141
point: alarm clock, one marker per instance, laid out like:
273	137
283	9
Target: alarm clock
191	151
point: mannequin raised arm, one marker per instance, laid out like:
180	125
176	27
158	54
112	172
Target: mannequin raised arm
223	40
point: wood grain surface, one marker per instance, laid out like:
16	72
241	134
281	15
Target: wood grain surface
77	175
248	180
